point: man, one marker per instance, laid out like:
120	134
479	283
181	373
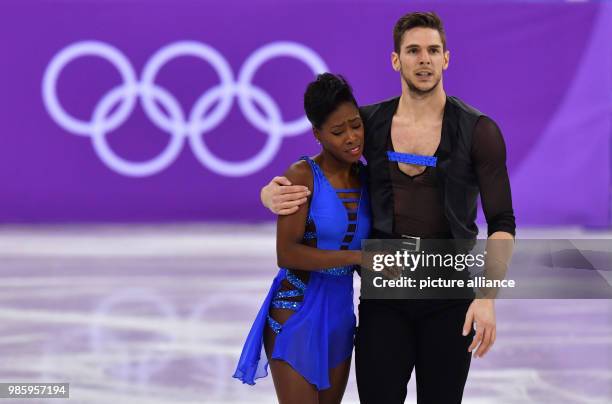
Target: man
422	199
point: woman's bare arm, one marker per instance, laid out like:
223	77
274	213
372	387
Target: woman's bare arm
290	252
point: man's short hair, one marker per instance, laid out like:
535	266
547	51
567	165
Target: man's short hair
416	20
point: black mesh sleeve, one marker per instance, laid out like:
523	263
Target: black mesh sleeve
489	158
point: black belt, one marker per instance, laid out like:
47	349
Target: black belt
415	243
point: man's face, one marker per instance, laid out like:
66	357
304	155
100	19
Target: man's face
421	59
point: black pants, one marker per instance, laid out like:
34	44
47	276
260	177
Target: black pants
395	336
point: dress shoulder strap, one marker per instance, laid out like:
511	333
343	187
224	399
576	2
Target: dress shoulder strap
316	171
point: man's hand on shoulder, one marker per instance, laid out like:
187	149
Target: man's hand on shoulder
283	198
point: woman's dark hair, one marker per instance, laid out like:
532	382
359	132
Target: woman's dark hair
324	95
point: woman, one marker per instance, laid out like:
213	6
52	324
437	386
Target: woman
306	324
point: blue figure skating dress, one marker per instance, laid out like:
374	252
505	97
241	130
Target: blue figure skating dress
319	335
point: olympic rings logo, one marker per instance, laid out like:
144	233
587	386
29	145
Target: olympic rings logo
201	119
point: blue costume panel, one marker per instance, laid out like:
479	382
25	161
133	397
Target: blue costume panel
319	335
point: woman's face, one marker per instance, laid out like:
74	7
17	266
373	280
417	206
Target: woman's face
342	133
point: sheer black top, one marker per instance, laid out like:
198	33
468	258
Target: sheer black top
418	205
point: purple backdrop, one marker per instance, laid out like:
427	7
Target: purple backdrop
542	71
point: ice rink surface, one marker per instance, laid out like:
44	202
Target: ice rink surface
158	315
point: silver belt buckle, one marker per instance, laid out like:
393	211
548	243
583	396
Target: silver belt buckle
414	243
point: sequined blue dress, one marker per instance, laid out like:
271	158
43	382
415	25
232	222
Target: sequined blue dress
319	335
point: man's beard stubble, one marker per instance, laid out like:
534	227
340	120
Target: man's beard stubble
417	91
